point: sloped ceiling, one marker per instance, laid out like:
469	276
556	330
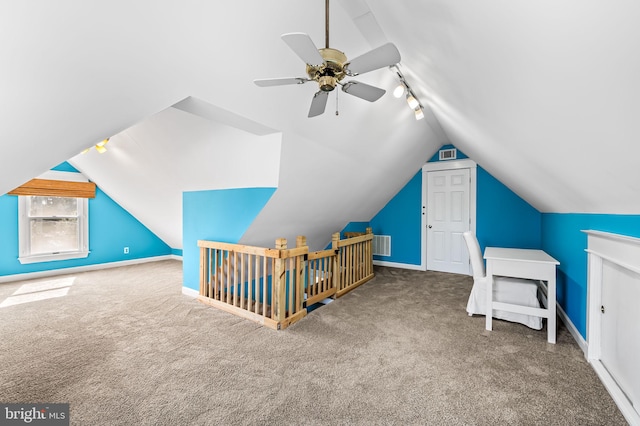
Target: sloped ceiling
541	94
148	166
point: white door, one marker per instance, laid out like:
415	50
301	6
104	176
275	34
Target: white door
447	219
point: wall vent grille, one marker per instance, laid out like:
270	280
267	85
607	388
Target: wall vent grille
448	154
382	245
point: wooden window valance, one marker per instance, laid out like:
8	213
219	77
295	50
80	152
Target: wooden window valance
56	188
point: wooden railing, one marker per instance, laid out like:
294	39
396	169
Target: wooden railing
320	284
354	258
275	286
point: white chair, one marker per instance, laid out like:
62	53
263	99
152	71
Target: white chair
508	290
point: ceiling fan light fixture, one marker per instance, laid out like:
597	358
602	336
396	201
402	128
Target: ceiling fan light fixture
327	83
419	114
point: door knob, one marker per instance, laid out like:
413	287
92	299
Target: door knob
429	226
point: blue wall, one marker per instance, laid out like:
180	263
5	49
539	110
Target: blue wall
218	215
562	238
111	228
401	218
502	218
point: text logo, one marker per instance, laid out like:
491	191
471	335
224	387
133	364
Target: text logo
34	414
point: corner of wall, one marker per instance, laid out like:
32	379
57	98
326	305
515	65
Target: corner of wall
218	215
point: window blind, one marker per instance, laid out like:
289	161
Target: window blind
56	188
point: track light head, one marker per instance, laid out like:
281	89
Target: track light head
399	91
412	101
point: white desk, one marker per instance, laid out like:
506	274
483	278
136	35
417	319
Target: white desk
523	263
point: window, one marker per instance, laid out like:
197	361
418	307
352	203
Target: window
52	228
53	217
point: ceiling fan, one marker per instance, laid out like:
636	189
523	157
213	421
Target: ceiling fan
328	67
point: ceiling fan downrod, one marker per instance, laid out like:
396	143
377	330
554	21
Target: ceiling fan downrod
326	23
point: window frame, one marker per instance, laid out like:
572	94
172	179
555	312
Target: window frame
24	227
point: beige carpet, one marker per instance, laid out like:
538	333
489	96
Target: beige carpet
125	347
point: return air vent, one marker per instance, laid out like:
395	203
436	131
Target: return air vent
382	245
448	154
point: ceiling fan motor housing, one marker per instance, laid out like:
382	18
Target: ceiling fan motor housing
331	71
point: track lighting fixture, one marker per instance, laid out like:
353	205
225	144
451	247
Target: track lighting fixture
404	89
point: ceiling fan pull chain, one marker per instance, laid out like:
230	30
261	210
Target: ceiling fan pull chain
337	113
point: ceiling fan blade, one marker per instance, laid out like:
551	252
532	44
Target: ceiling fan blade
304	47
319	103
382	56
267	82
363	91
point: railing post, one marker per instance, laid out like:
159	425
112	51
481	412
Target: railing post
280	283
335	278
302	272
369	253
203	271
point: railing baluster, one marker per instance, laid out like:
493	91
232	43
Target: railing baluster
230	275
359	262
274	286
257	284
219	274
202	270
212	271
290	285
264	286
235	279
249	281
316	280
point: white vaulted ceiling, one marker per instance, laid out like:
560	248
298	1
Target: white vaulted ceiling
541	94
151	164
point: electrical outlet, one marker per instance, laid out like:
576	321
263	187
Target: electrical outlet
126	250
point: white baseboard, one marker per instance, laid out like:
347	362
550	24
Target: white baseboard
76	269
572	329
399	265
190	292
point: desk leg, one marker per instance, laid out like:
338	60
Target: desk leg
551	300
489	302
